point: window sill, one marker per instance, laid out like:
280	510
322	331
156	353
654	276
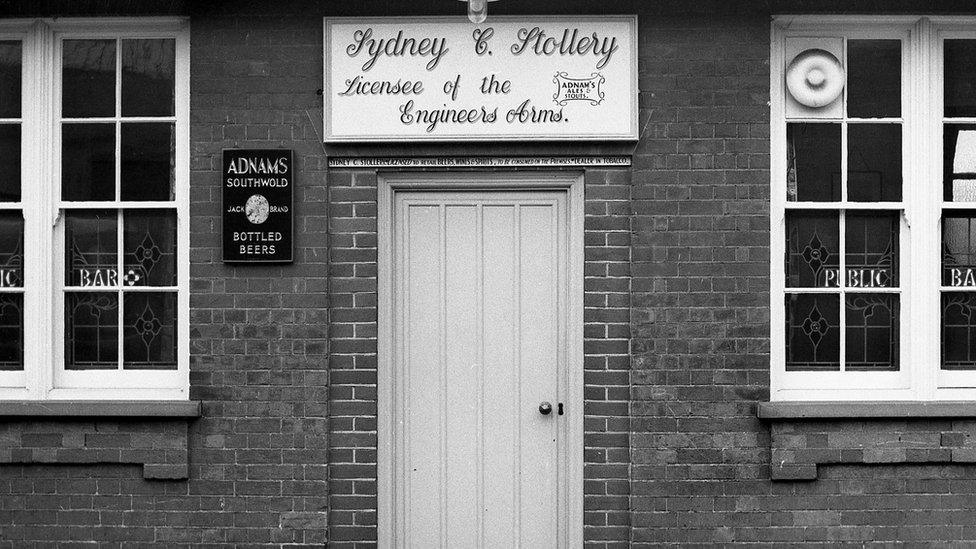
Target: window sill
87	432
800	410
805	435
101	408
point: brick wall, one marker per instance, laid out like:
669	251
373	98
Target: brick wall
257	459
705	470
352	452
606	361
676	332
259	335
700	278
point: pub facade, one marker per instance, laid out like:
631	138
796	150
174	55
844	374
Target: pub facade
487	274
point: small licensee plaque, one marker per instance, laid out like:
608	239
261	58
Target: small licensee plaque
258	205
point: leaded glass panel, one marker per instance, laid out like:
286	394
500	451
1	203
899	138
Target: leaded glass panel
92	331
812	332
871	254
872	334
959	331
149	248
11	331
959	249
812	248
91	246
11	249
150	331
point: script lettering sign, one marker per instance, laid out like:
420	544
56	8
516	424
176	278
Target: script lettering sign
510	78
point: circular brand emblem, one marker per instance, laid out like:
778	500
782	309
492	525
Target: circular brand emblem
256	209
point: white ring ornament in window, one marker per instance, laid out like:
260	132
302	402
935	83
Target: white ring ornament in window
815	78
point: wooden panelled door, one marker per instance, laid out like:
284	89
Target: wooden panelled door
479	350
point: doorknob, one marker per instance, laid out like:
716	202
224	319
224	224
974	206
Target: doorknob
545	408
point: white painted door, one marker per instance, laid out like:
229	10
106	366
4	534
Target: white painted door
479	326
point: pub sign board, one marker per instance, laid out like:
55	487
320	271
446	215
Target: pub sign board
258	205
509	78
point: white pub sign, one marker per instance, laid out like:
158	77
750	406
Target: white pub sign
510	78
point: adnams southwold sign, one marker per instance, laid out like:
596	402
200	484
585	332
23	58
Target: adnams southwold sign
436	78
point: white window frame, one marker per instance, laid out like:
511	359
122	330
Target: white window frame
920	376
44	376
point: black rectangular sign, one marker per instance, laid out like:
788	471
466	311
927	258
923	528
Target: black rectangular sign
258	205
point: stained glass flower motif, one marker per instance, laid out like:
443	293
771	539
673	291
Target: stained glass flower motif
815	326
148	325
816	254
148	253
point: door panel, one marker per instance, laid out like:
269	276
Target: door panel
422	374
537	344
478	312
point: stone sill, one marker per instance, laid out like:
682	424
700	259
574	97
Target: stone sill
805	435
155	435
101	408
809	410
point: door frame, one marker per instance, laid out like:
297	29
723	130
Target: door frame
571	183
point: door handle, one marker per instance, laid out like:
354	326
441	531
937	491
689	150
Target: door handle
545	408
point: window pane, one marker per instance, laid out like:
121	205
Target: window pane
10	160
872	332
11	332
959	163
149	331
871	250
150	248
11	66
958	331
813	162
11	250
88	78
873	78
812	332
960	78
148	68
874	162
959	249
91	330
88	162
812	249
91	244
148	161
